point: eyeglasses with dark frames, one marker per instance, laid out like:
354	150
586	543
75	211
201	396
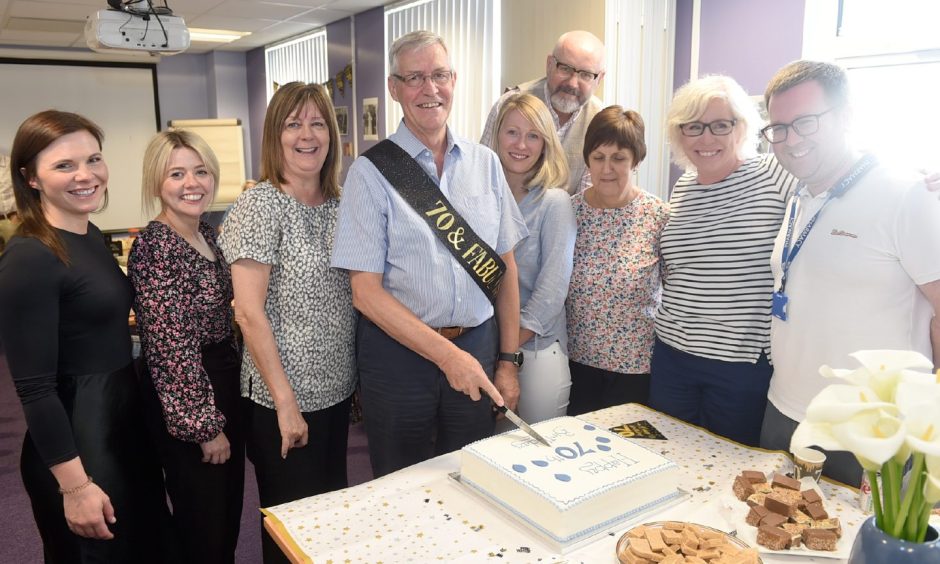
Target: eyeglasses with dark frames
803	126
567	71
417	79
718	127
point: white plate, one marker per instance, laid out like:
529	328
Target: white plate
624	541
748	534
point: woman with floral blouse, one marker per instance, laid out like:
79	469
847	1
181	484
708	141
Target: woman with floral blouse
183	305
615	284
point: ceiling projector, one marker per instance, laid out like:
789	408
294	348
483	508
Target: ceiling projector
109	30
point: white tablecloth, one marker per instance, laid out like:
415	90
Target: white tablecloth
419	514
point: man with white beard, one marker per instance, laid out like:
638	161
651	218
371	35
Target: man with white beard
572	72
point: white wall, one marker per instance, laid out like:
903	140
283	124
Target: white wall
531	27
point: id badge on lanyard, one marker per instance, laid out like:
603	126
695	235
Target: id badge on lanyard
780	300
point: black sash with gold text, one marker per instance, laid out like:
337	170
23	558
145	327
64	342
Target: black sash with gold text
421	192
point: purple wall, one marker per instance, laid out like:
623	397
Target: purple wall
370	67
750	39
182	82
339	54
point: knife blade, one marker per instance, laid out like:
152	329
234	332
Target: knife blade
511	415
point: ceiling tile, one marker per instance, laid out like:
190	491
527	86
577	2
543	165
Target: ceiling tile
56	11
48	39
321	17
256	10
231	23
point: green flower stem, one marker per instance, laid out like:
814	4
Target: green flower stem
912	523
891	488
876	498
922	524
909	495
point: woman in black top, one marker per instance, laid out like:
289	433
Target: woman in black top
64	304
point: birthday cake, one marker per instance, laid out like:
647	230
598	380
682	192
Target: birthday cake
588	480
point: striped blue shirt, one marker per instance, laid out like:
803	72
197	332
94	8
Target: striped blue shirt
377	231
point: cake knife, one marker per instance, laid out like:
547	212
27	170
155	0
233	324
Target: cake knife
523	425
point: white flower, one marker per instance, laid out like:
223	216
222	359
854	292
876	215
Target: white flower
874	437
838	402
881	370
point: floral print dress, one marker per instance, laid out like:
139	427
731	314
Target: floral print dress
615	285
183	302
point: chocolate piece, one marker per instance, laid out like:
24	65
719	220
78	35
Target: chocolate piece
774	503
754	476
801	518
756	499
831	523
742	488
816	511
796	533
785	482
811	496
756	513
773	520
820	539
773	538
763	487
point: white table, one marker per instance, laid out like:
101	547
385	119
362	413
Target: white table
419	514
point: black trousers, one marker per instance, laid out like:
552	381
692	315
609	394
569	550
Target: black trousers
206	498
595	388
411	412
112	440
317	468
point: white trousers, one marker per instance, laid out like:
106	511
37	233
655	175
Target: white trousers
545	383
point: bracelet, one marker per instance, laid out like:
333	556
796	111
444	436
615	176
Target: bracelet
77	488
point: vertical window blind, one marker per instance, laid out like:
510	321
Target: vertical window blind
302	58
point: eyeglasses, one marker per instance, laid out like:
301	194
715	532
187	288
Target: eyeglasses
416	80
717	127
803	126
567	71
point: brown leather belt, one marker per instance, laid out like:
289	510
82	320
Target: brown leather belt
10	215
451	333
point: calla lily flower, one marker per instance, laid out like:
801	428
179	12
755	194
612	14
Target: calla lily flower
839	402
881	370
917	392
888	410
874	437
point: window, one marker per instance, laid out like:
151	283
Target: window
891	53
470	29
302	58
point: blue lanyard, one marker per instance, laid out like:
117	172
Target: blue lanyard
863	165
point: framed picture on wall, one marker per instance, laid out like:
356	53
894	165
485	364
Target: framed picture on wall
370	119
342	118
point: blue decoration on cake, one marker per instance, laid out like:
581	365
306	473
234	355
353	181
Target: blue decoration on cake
604	448
563	477
589	427
540	463
603	440
519	468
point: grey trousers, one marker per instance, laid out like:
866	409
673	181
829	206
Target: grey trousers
775	435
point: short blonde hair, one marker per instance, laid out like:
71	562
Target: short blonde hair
157	161
286	100
689	104
551	169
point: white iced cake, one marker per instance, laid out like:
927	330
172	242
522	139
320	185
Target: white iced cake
586	481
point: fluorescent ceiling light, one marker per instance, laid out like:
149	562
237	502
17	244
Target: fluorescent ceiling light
215	35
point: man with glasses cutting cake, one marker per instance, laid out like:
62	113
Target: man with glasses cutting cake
857	260
426	229
572	72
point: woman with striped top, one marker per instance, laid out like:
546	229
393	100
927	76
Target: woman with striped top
710	361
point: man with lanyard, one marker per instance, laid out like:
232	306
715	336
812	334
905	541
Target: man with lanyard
424	220
857	261
572	72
